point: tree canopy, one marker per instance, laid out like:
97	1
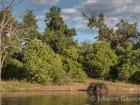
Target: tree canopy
57	34
124	30
42	64
54	56
99	58
30	25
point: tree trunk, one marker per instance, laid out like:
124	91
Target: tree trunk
0	98
0	70
0	53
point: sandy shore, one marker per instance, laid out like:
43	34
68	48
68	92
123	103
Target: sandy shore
112	87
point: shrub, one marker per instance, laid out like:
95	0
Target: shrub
129	64
135	78
73	68
99	57
42	64
13	70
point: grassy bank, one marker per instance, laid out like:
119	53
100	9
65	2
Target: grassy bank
17	86
22	86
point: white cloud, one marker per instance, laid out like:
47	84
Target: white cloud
112	21
41	22
74	16
113	10
89	2
111	7
42	2
69	11
81	26
40	17
80	22
65	17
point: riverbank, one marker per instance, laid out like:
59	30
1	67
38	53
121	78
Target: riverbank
112	87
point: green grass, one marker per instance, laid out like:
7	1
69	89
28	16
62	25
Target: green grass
17	86
24	86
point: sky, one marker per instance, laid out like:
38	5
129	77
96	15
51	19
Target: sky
71	11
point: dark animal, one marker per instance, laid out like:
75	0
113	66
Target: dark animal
96	91
97	87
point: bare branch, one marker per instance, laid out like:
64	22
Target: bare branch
3	19
7	26
12	4
8	20
10	31
2	60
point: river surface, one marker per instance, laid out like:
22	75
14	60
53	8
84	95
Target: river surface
66	98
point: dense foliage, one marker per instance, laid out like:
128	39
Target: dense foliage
123	31
42	64
99	58
73	68
57	34
129	65
30	26
55	57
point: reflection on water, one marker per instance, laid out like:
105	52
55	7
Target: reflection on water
59	98
96	96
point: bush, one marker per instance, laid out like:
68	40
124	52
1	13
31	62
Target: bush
130	63
99	58
42	64
13	70
73	68
135	78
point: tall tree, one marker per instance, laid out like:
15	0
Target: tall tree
57	34
124	30
8	34
30	25
9	30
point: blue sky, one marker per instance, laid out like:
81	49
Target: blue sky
72	9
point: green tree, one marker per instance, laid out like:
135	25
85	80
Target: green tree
137	45
124	30
130	63
73	68
57	34
9	34
30	27
13	69
98	59
135	78
121	50
42	64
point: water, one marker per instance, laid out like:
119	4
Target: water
65	98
